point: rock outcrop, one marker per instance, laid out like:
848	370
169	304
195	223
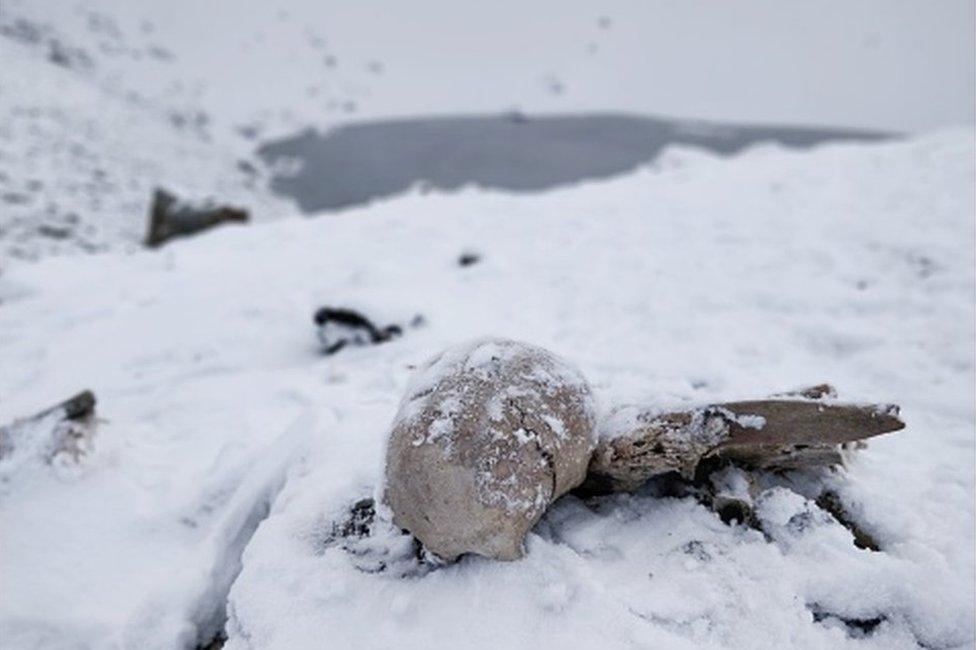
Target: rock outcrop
170	217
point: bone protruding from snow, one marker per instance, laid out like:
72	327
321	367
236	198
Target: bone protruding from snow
488	435
775	434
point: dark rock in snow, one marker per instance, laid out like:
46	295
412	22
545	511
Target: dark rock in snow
339	327
855	628
215	644
169	217
468	259
63	429
376	546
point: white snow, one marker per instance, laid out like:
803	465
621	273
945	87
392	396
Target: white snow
745	420
696	280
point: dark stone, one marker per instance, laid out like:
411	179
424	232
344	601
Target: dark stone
80	406
214	644
339	327
360	520
468	259
857	628
169	217
66	424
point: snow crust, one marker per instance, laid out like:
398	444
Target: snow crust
697	280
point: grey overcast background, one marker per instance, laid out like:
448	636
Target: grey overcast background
880	64
892	64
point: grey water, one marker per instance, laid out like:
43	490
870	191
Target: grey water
358	162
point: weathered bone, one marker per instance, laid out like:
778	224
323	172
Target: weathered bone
489	434
776	434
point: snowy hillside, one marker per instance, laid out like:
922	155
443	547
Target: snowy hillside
228	447
102	100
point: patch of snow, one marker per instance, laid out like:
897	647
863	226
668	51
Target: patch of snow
732	482
557	425
751	421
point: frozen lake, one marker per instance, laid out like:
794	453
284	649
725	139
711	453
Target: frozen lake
355	163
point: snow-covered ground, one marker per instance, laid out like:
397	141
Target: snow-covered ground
228	447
